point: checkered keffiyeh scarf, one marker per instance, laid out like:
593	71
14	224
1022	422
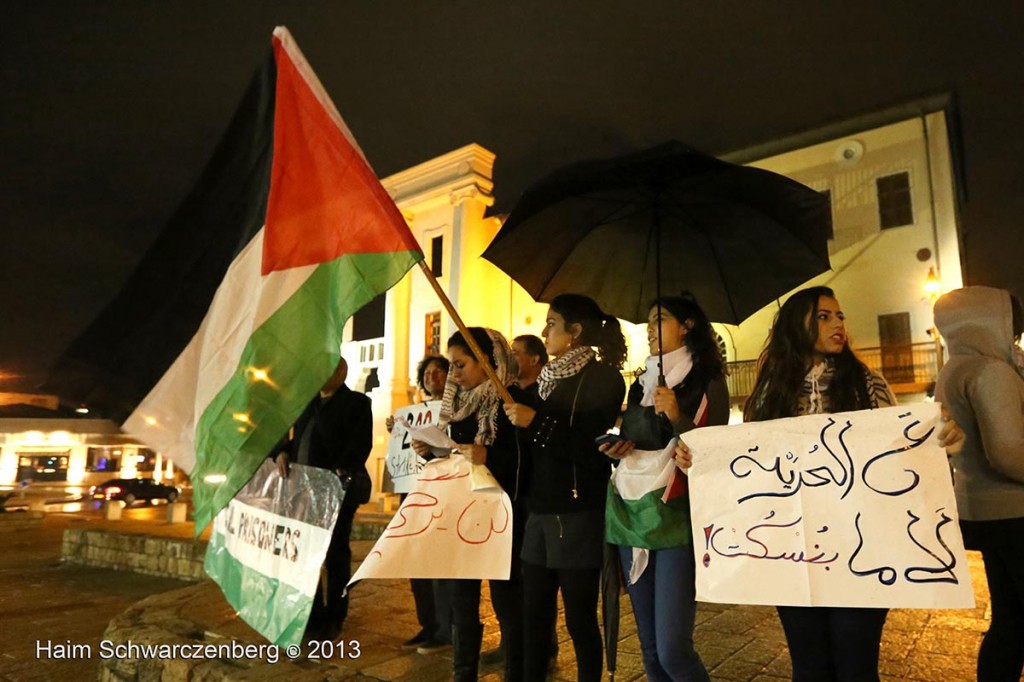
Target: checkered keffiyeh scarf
564	366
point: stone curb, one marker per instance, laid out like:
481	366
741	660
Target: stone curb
179	618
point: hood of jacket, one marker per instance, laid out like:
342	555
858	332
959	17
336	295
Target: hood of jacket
976	321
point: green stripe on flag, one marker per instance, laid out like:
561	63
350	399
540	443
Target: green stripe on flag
298	349
647	522
252	593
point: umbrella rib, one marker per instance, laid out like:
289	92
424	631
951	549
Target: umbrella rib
721	278
647	259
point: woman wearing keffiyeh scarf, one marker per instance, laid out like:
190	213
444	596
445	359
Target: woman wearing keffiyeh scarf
808	367
581	394
471	410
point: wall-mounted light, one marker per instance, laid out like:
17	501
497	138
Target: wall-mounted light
932	284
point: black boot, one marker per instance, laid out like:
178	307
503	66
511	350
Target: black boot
466	644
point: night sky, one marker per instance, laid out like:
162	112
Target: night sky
110	109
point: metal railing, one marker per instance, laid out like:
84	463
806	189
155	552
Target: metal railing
907	368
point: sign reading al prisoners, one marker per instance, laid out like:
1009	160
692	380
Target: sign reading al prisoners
267	546
846	509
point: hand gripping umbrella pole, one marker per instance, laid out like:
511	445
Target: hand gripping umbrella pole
484	361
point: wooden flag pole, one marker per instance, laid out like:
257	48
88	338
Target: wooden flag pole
484	361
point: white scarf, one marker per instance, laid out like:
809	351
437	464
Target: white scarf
815	399
1018	359
677	364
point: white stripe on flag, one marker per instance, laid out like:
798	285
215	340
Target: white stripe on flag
643	472
166	418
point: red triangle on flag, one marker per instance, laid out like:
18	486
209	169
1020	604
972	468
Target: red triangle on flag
325	201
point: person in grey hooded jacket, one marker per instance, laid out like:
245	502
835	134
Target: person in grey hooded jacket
983	388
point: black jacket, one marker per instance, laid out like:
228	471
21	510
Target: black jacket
342	434
650	431
567	472
341	440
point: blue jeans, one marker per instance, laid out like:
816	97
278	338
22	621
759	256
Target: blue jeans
664	607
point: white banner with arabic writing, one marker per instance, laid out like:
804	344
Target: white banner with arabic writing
848	509
456	523
402	463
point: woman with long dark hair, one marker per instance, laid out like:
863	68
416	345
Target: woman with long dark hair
471	410
581	393
654	538
808	367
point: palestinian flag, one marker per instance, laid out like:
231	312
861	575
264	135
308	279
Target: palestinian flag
234	318
648	504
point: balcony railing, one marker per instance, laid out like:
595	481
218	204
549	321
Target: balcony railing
908	369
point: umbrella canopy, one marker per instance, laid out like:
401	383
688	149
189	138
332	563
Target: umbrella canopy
733	236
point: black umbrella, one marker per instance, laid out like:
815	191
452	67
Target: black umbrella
611	588
735	237
672	219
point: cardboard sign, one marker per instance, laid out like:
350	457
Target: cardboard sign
402	463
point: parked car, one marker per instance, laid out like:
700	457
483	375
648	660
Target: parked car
128	490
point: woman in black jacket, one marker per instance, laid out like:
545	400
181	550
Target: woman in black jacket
472	411
581	392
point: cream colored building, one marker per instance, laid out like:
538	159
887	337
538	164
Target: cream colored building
894	225
444	201
893	217
876	270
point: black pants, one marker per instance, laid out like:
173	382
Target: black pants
326	620
467	631
833	644
433	607
580	589
507	600
1002	547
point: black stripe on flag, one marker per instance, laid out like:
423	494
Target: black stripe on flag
128	348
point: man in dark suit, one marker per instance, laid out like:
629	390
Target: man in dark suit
334	432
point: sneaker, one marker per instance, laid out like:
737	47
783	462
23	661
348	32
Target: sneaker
432	646
420	638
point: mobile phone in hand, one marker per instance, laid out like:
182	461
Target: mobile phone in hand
609	438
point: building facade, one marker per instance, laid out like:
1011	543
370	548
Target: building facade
894	228
73	454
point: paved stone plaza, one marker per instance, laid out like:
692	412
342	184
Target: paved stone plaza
43	599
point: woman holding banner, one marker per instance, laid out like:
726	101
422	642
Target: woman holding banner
581	394
982	384
808	367
472	411
652	530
